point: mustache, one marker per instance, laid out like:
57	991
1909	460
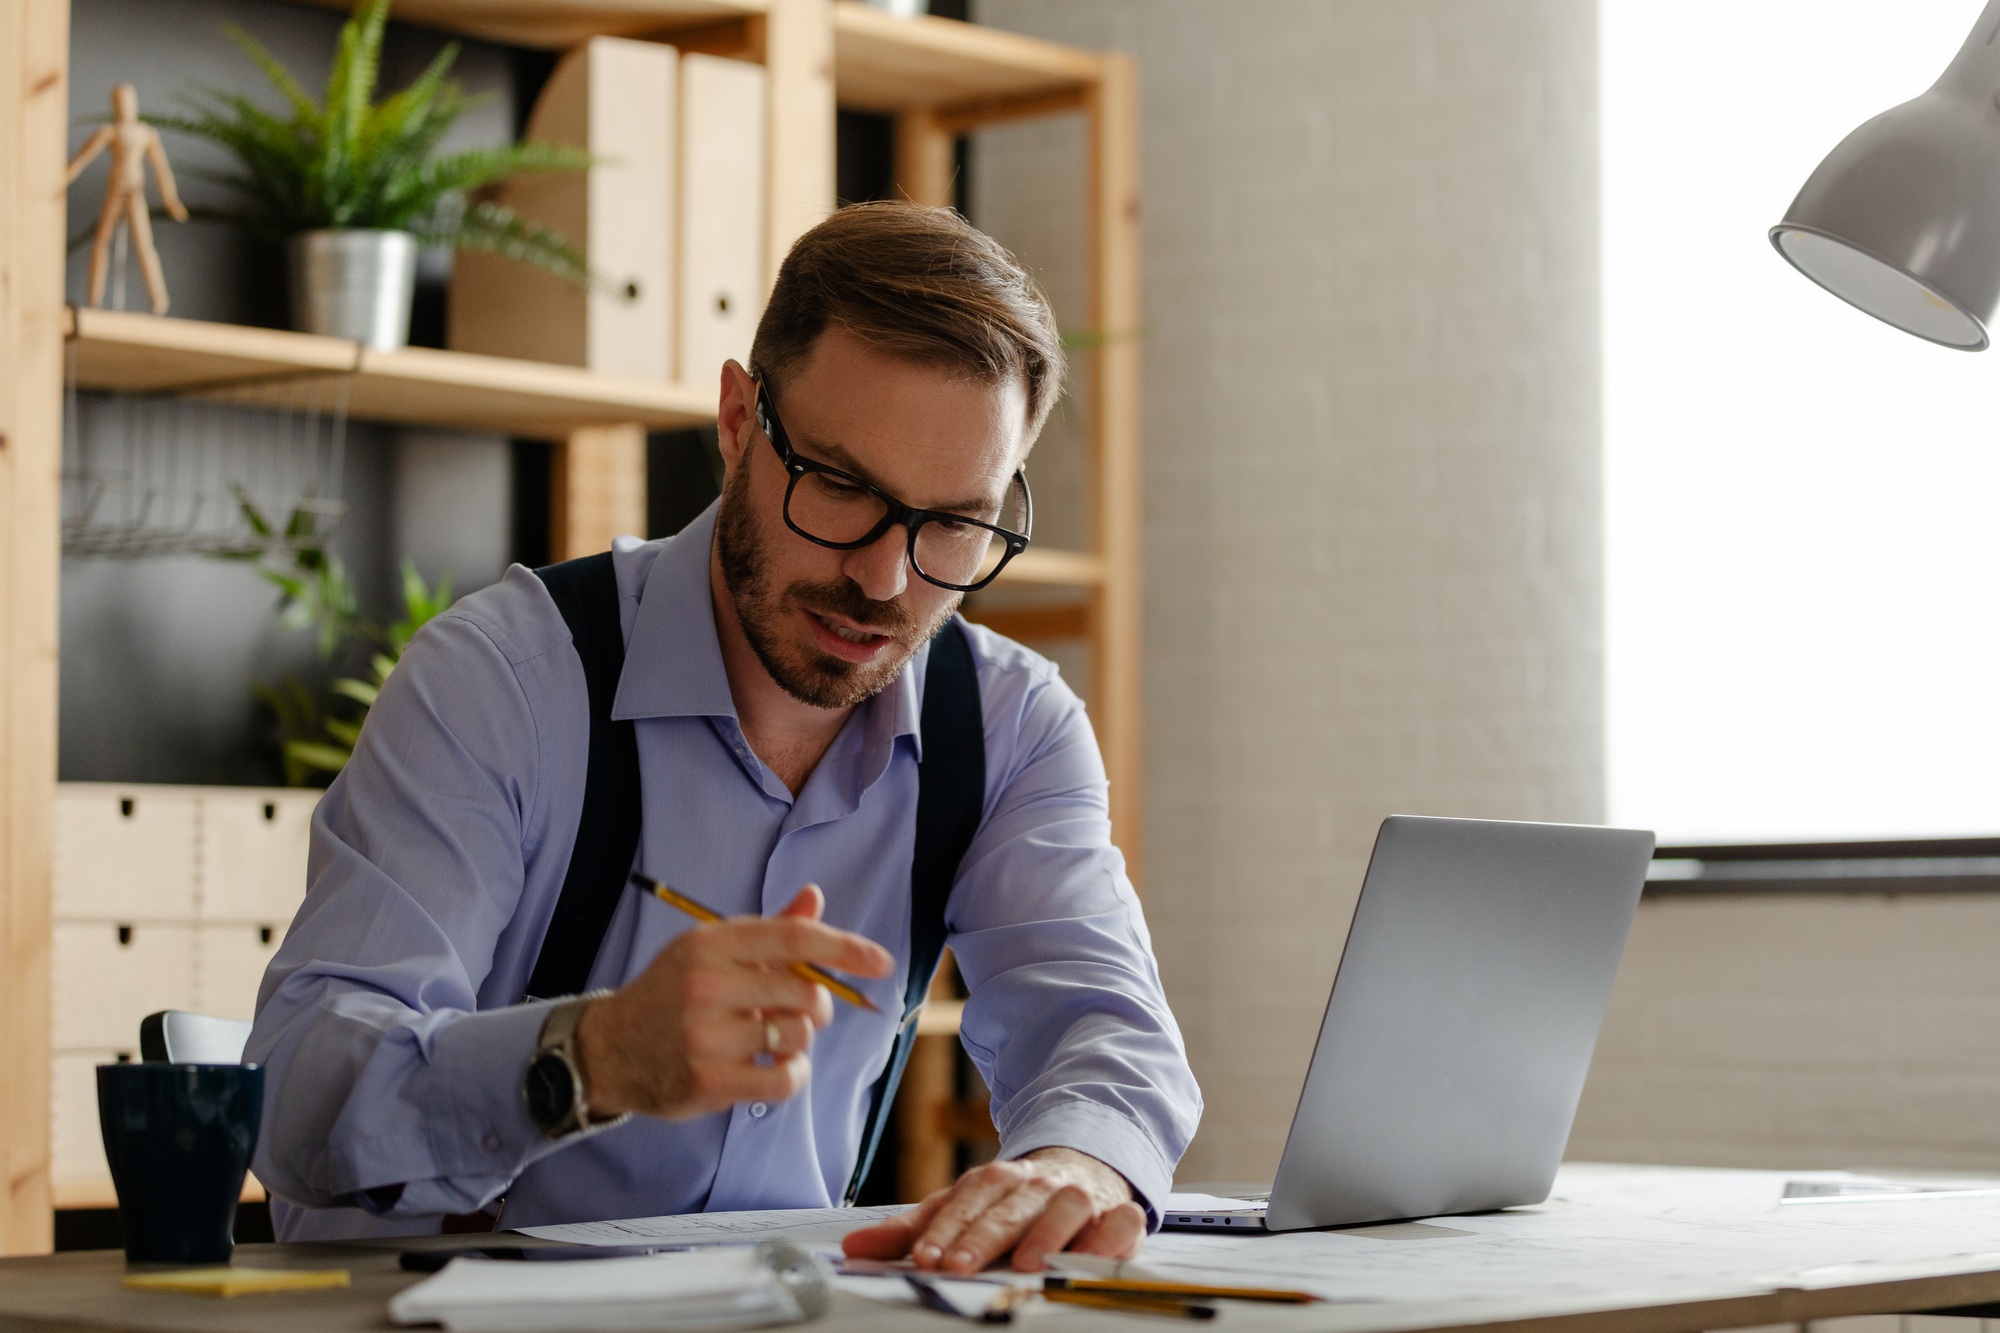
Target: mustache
842	598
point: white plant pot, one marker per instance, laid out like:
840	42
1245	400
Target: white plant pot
353	284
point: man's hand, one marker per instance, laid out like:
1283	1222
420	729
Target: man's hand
689	1034
1053	1199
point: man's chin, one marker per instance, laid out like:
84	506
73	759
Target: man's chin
824	681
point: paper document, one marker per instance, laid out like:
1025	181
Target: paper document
708	1289
1862	1190
1606	1238
802	1226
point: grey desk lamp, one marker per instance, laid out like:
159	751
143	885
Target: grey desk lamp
1903	218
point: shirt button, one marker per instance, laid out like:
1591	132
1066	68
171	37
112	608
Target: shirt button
757	1110
491	1143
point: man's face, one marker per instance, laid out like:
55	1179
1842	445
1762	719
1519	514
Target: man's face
834	627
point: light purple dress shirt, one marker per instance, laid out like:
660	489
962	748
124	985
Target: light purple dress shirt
391	1021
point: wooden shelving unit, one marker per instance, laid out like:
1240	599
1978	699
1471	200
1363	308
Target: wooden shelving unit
938	78
417	385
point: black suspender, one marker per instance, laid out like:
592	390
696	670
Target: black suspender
607	841
951	795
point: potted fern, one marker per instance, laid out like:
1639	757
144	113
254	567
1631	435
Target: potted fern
351	187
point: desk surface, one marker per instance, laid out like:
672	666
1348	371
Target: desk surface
1631	1250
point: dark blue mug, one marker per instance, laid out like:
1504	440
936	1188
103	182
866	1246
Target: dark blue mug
179	1139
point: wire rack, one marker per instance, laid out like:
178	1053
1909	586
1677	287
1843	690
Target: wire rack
151	474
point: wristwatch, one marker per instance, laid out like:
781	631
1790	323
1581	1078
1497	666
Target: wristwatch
553	1088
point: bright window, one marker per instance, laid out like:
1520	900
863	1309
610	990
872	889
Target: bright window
1802	504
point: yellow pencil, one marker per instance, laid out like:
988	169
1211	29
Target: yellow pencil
1155	1289
1129	1303
708	916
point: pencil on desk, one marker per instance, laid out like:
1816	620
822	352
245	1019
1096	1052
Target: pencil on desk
1129	1303
709	916
1157	1289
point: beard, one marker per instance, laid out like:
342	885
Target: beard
802	670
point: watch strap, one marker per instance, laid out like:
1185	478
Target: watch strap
558	1039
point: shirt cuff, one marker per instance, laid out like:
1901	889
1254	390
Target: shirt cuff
474	1071
1098	1131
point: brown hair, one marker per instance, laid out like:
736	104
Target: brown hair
918	283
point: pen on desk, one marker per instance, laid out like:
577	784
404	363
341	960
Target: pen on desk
708	916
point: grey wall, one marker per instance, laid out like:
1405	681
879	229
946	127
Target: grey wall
158	653
1371	399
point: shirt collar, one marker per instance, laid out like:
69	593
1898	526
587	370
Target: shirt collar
673	660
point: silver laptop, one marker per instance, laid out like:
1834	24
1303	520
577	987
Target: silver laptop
1460	1027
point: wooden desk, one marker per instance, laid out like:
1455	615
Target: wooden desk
72	1292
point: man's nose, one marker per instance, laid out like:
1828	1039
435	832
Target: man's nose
881	568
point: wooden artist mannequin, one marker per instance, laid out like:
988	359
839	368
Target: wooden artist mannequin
133	143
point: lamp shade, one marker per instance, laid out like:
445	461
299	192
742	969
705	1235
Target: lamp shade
1903	217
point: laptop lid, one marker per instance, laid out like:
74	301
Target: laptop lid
1462	1020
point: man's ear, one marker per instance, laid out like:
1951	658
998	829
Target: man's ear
735	415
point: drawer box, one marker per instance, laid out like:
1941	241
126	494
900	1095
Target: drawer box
124	853
229	962
106	977
253	854
76	1144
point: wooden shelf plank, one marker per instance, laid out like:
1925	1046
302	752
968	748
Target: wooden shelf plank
560	24
1074	569
99	1192
940	1018
418	385
882	63
1060	620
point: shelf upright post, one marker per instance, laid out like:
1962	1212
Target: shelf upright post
926	158
1115	480
926	1152
597	489
798	60
34	133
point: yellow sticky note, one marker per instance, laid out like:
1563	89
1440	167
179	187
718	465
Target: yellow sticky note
226	1282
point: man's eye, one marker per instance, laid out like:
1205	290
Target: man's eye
838	486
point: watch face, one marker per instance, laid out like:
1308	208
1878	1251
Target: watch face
551	1091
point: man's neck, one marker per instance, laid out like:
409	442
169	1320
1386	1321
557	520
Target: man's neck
789	735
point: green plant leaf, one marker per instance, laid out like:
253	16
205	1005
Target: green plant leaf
347	733
350	162
358	690
350	89
318	755
492	227
251	513
303	107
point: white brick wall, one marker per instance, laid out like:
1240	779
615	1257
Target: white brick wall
1802	1032
1372	464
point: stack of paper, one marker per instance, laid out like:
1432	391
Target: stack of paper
723	1288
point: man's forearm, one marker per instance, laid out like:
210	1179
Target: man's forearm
367	1105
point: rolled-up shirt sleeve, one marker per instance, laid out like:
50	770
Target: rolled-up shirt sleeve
386	1088
1067	1020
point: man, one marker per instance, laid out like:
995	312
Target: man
775	661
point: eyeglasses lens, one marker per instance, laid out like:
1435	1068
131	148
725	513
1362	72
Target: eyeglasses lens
963	553
832	510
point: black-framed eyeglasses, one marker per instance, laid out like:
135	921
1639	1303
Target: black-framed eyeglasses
838	510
